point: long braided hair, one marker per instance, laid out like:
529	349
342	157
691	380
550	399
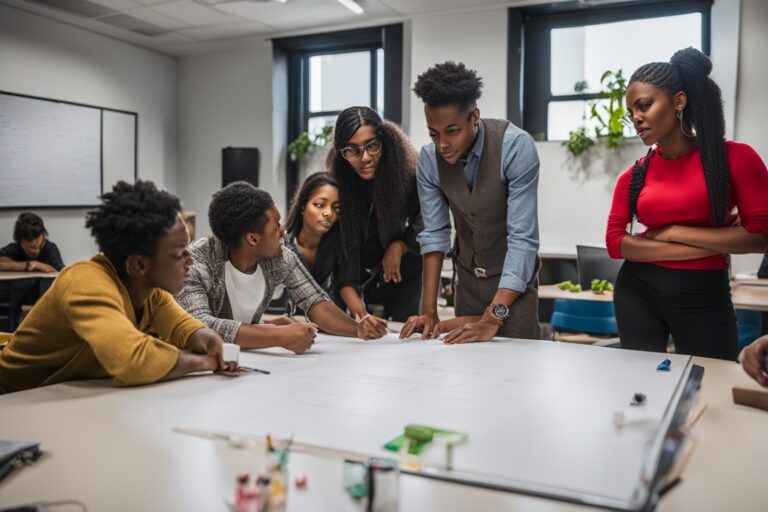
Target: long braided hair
395	175
688	71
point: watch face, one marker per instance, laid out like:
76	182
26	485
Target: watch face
500	311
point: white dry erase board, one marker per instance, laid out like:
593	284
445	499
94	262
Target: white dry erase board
61	154
539	414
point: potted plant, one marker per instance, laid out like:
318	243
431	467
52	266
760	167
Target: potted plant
608	134
307	142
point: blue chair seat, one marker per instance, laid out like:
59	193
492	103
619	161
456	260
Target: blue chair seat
584	316
750	324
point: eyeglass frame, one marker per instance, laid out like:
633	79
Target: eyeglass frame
365	147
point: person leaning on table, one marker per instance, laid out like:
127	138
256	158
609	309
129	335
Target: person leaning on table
30	250
114	315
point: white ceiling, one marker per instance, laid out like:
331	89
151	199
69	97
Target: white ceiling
189	27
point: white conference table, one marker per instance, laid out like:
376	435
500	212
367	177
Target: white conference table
749	294
114	449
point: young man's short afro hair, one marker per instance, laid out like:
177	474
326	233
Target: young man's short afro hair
237	209
131	220
447	84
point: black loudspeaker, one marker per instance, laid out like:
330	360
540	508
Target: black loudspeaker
240	164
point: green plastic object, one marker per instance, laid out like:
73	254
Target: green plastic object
417	437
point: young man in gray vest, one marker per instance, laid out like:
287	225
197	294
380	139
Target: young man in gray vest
485	172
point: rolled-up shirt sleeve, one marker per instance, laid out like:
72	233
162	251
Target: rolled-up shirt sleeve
436	235
520	168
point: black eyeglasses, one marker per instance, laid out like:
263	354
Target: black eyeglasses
356	152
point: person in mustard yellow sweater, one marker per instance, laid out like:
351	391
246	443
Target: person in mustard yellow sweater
114	315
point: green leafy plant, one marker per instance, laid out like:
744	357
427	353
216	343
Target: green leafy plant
600	286
306	142
578	141
568	286
610	118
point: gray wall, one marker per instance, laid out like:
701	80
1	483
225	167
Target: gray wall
41	57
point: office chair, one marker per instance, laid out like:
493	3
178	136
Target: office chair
750	325
594	263
584	316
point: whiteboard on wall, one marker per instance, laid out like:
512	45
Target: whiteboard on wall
61	154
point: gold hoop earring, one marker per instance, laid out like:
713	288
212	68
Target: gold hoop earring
682	129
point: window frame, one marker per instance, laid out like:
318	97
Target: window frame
536	24
306	113
291	76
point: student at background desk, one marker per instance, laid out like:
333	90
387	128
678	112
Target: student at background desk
31	250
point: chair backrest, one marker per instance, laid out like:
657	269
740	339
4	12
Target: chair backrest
594	263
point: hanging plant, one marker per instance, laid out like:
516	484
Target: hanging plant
610	118
306	142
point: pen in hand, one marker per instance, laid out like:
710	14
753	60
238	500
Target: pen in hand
249	369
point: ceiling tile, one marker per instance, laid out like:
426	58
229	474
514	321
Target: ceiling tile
228	31
274	14
161	20
118	5
423	6
193	13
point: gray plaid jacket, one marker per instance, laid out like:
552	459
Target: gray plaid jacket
205	292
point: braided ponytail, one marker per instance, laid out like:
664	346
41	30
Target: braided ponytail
704	111
688	71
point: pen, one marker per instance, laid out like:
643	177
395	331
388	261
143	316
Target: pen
249	369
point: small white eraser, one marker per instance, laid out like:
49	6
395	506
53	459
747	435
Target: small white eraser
231	353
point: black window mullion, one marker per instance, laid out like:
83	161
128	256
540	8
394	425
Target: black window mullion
374	81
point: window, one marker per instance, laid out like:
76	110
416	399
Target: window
316	77
567	50
340	80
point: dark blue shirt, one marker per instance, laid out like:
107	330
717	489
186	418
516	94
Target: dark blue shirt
49	254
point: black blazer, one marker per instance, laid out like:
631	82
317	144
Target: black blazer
399	223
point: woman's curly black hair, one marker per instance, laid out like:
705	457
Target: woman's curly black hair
688	71
449	83
312	183
237	209
132	219
395	175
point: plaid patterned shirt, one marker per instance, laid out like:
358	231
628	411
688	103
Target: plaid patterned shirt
205	292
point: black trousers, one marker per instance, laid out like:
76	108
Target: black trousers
694	306
400	300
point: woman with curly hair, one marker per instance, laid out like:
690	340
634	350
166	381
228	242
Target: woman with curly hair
675	277
375	166
313	233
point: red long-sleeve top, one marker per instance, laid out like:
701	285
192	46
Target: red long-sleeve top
675	192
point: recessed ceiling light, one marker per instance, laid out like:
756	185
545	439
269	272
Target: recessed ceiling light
352	6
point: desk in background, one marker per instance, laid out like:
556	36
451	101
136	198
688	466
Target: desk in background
19	287
745	294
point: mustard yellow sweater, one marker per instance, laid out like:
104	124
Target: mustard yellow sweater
85	327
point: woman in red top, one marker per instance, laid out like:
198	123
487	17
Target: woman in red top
701	198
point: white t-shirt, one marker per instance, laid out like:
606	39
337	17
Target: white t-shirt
245	291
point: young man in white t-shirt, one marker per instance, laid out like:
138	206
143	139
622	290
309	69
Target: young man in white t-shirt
236	270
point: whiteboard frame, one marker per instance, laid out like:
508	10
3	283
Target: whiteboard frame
101	149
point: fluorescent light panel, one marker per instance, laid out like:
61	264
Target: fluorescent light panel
352	6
